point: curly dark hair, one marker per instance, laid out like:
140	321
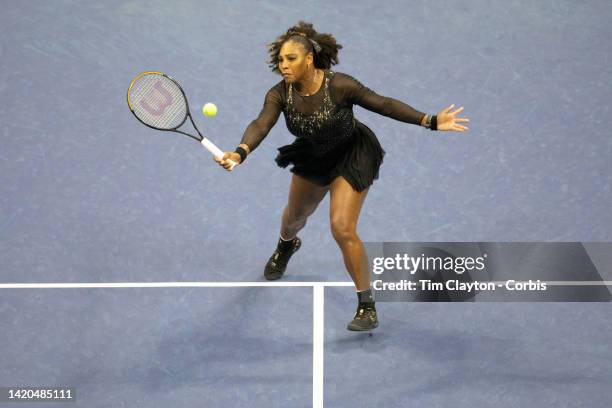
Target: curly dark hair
302	33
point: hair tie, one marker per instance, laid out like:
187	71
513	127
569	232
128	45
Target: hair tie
316	45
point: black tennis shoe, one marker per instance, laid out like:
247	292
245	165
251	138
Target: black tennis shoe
365	318
275	268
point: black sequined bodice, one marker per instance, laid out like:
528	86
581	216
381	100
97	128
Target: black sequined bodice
327	127
324	119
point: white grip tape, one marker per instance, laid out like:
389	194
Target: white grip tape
210	146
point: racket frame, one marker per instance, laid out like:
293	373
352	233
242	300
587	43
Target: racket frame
187	111
205	142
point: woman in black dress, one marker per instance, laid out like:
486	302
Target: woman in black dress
332	152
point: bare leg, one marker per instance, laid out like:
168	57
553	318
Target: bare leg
345	206
304	197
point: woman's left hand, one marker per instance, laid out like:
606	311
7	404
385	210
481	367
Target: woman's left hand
449	121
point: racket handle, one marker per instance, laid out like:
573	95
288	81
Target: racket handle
210	146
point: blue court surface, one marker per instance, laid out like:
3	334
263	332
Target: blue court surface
88	195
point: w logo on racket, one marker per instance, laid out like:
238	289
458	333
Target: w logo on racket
159	102
156	100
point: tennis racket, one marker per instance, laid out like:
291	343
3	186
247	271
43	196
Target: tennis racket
158	101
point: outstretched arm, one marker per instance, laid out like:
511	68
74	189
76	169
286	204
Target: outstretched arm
358	94
259	128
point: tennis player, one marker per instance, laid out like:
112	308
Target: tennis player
333	151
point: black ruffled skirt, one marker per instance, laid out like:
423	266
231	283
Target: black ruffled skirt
357	159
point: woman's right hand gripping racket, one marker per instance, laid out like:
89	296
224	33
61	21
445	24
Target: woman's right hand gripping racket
159	102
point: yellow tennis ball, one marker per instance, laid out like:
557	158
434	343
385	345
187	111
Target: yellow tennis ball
209	109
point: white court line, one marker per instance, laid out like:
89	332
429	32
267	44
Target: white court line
318	309
68	285
566	283
580	283
318	327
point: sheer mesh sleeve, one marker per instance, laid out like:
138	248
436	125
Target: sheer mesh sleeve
353	92
259	128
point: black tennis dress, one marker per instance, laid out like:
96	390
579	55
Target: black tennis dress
330	141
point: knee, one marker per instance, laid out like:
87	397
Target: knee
297	216
343	231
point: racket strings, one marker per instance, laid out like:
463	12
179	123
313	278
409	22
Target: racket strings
158	101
